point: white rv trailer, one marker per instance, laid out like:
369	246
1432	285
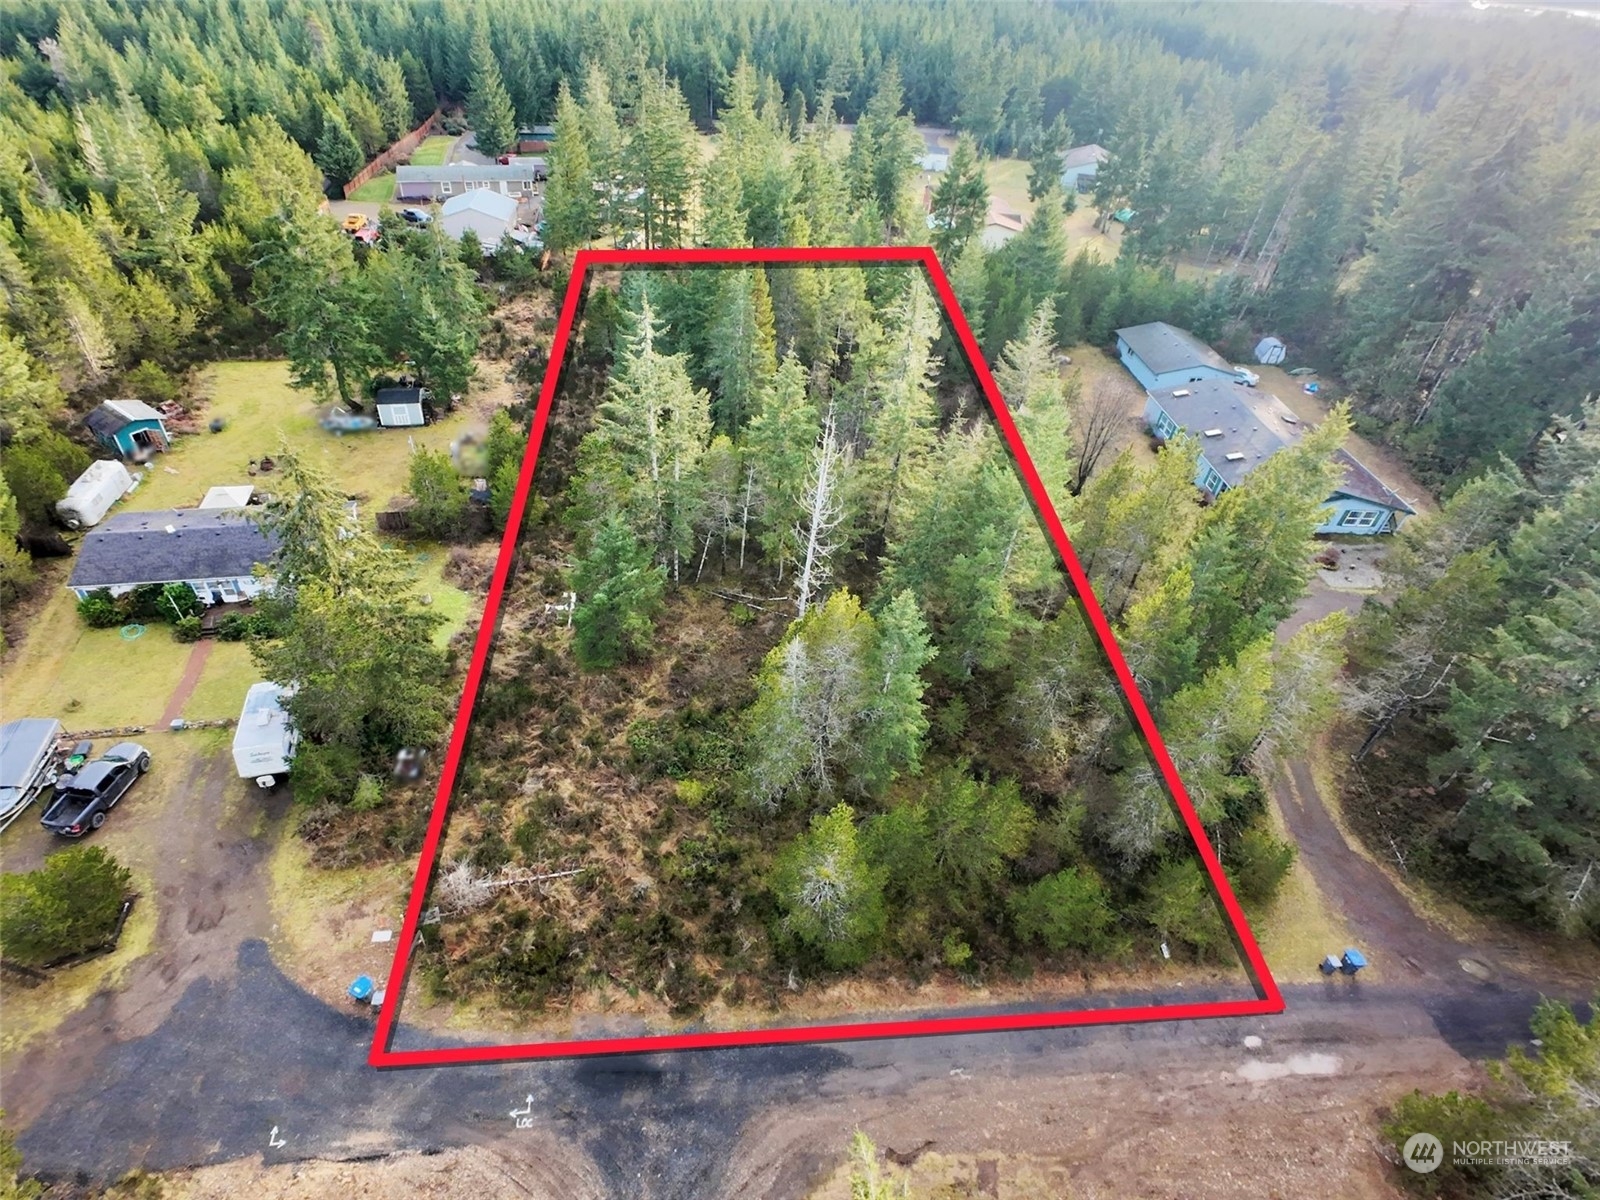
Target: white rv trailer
264	741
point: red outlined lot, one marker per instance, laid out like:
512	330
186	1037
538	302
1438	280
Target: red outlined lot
1267	998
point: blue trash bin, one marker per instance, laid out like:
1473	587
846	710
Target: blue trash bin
361	989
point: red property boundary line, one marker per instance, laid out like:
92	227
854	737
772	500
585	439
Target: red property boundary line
1268	998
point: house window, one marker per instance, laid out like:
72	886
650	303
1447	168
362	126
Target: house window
1165	426
527	185
1359	518
1212	481
444	186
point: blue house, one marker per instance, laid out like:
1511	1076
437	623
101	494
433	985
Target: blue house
130	428
1239	428
1162	356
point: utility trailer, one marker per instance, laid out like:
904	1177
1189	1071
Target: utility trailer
28	763
264	741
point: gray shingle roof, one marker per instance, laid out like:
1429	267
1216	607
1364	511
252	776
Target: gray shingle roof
1361	484
116	415
1253	424
1164	348
1080	156
135	548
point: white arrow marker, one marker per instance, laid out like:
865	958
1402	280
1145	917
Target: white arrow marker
274	1140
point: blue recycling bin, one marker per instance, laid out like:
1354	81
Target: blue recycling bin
361	989
1352	962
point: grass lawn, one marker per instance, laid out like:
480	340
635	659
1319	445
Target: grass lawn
1008	184
1299	927
260	410
228	674
377	190
432	151
91	678
96	678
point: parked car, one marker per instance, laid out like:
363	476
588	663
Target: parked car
416	216
355	222
83	799
1246	376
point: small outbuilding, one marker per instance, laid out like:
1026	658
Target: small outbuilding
401	407
130	428
1078	166
934	157
1270	350
1000	226
228	497
93	493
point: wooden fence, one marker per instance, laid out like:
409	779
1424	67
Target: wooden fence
390	157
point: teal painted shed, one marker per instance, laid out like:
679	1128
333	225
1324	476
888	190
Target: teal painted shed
130	428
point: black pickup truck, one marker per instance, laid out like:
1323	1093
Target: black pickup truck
83	798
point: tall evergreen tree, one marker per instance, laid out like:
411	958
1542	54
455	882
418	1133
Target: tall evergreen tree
960	201
570	211
489	109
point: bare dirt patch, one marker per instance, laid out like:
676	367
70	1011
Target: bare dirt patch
1195	1127
542	1169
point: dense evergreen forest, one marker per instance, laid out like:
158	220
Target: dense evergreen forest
826	702
1412	200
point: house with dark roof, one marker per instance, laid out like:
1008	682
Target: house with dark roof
1239	428
515	179
1078	166
130	428
1161	355
213	550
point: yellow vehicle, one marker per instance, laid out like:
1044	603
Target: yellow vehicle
355	223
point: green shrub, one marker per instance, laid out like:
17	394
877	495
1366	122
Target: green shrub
1258	865
368	793
325	772
68	906
692	792
186	630
1065	911
239	627
178	600
98	610
743	614
143	603
955	951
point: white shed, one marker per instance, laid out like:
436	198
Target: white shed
1270	350
228	497
401	407
93	493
